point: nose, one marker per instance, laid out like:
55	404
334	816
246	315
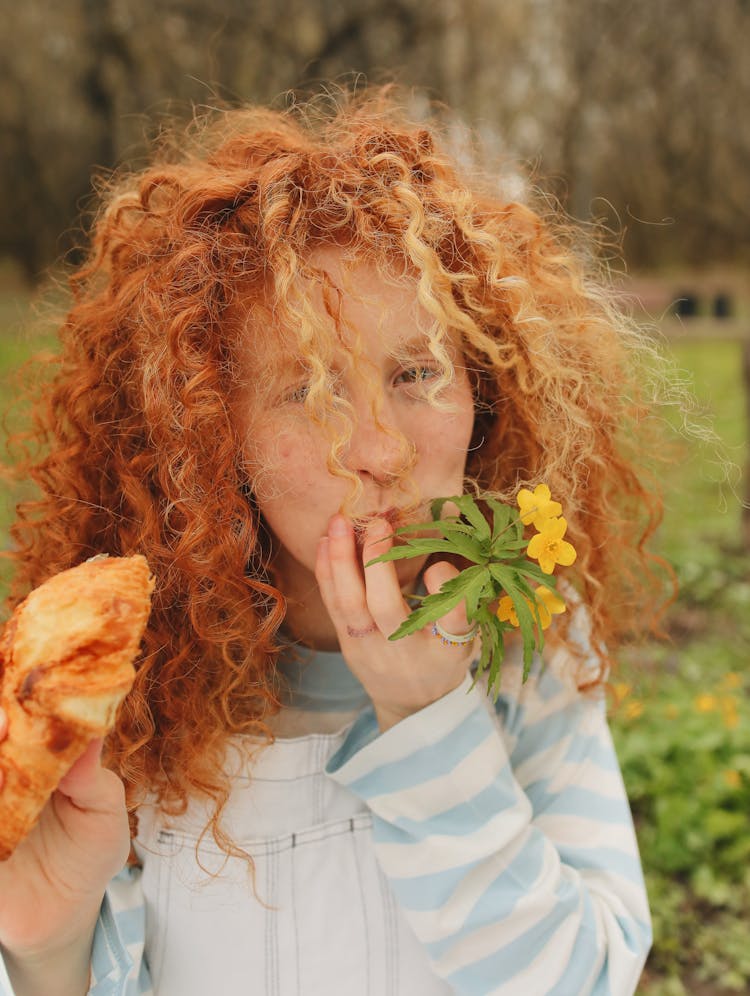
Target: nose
378	447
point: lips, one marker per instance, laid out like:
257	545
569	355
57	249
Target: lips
393	515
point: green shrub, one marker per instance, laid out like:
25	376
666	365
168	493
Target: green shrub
682	733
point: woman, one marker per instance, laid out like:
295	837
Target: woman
288	338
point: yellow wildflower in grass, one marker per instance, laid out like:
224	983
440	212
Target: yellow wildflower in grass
732	778
671	711
549	547
730	715
706	703
621	689
632	709
548	604
731	680
537	506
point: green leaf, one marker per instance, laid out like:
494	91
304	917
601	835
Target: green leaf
526	621
452	527
496	554
503	574
469	510
495	630
473	513
447	526
505	548
477	592
458	544
501	517
436	605
415	548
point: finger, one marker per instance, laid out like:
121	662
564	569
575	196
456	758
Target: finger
455	621
346	584
324	576
383	591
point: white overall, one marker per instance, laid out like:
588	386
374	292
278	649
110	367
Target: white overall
332	927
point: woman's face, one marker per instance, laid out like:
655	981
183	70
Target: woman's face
402	446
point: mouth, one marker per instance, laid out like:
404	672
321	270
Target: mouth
394	516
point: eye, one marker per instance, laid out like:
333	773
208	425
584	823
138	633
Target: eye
296	395
417	374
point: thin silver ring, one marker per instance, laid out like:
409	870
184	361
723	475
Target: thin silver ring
454	639
359	633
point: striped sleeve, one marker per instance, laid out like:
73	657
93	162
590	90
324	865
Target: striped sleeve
5	986
507	839
117	964
118	967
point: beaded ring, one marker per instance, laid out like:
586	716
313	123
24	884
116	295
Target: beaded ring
454	639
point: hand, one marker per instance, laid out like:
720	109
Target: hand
401	676
51	887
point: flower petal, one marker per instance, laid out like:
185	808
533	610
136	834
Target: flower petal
566	553
552	602
537	544
527	505
506	611
547	561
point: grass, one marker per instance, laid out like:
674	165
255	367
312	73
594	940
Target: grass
703	489
682	720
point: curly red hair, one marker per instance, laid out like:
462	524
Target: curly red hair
142	452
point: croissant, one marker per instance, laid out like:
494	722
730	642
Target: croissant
66	664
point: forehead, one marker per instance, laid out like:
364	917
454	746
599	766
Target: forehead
342	305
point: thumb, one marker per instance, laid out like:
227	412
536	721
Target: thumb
82	783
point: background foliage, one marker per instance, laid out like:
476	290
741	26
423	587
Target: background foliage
633	110
681	713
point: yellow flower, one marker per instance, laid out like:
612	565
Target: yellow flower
621	690
547	604
549	547
731	680
632	709
537	507
732	778
729	712
671	711
706	703
506	611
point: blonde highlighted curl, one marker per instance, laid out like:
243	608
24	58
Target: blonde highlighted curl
141	450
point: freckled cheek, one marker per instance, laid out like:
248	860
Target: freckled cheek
287	463
445	443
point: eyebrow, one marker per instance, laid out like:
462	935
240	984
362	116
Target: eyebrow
417	345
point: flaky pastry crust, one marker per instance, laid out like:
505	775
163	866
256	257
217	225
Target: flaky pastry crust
66	664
